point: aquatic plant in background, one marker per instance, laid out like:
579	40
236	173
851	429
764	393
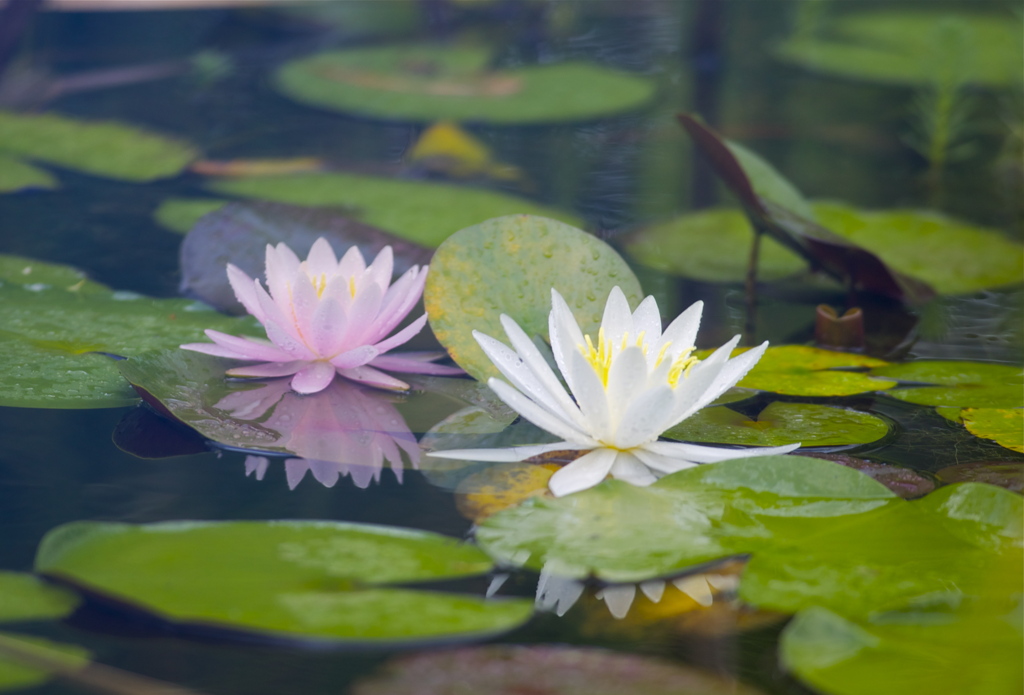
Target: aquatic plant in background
626	390
324	316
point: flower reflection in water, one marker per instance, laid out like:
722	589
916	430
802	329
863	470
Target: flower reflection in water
343	430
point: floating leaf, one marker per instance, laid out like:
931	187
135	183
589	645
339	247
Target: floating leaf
962	653
798	370
508	266
40	275
306	580
240	232
951	256
430	83
16	175
519	669
26	597
15	650
622	533
181	214
101	148
500	486
422	212
900	47
57	342
1005	426
1006	474
710	245
963	384
903	481
781	423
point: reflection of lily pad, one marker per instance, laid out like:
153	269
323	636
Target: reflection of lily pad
711	245
951	256
181	214
965	651
110	149
1004	426
798	370
426	83
52	339
26	597
963	384
1007	474
781	423
509	265
16	175
420	211
314	580
15	675
903	47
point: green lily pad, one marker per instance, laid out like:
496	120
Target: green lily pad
181	214
961	540
781	423
40	275
963	384
509	265
951	256
429	83
26	597
1004	426
798	370
307	580
101	148
967	652
420	211
15	674
57	341
622	533
16	175
905	47
710	245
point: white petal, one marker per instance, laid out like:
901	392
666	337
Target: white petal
682	332
713	454
627	379
724	378
585	472
565	334
555	593
628	468
539	416
659	463
647	320
592	397
617	319
646	418
653	589
697	588
618	598
507	455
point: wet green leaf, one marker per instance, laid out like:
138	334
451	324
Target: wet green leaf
622	533
26	597
102	148
966	652
429	82
1004	426
40	275
781	423
16	175
963	384
311	580
424	212
53	337
181	214
798	370
710	245
951	256
906	47
15	675
508	266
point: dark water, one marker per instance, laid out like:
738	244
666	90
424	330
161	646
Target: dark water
832	138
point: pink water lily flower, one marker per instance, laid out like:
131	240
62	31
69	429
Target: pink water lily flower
325	317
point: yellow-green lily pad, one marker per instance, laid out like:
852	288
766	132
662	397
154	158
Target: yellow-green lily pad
956	383
1004	426
781	423
952	256
27	597
419	211
508	266
40	275
799	370
181	214
102	148
421	82
16	175
15	674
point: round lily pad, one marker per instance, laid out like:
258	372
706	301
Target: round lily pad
1004	426
781	423
181	214
501	486
40	275
102	148
508	266
711	245
430	82
542	669
952	256
963	384
26	597
304	580
420	211
903	481
16	175
906	47
798	370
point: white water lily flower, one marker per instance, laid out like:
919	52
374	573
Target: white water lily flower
325	317
626	388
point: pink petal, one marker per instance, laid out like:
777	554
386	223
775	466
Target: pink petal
281	331
352	263
362	313
268	369
415	365
249	348
314	378
400	299
321	259
304	302
380	270
281	266
355	357
242	284
373	377
329	328
403	336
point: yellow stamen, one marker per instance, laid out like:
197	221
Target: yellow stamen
352	286
600	357
681	367
319	284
